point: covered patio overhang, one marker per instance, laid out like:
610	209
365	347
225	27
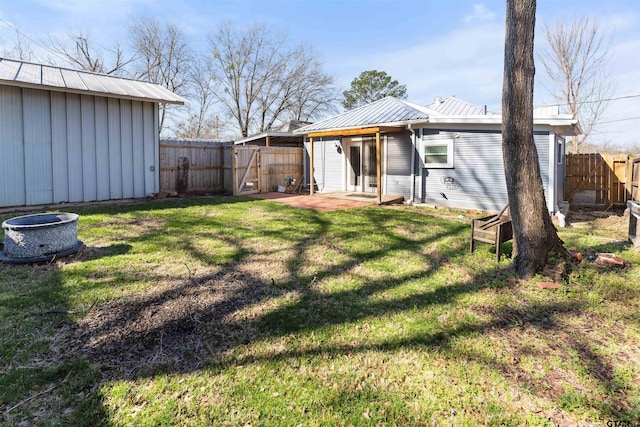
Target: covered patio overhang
371	130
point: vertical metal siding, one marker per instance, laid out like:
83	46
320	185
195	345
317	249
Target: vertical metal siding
126	137
138	149
12	177
115	154
74	147
37	146
59	147
398	167
149	165
89	164
102	149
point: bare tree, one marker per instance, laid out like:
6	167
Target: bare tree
163	57
259	78
80	52
575	60
200	123
535	235
21	48
313	95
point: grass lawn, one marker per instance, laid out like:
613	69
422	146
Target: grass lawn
233	311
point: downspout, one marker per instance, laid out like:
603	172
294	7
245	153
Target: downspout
413	165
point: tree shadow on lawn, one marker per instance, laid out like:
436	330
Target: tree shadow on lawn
192	323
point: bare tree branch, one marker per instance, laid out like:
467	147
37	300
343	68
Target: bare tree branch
260	80
163	57
80	52
575	60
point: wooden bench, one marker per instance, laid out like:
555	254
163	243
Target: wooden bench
493	229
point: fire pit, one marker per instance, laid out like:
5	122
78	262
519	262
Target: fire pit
40	237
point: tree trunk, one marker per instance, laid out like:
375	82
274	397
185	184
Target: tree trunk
535	235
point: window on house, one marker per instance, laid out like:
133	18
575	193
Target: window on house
560	153
438	155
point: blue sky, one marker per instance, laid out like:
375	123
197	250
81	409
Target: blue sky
435	48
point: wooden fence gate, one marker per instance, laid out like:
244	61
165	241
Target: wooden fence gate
263	169
246	170
598	179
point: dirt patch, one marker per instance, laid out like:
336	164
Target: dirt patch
177	325
612	222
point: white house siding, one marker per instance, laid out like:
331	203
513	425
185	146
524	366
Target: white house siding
327	164
476	180
63	147
398	164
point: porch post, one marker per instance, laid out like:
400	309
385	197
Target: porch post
267	141
378	168
311	169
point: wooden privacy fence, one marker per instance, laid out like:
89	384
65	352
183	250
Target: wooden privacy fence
263	169
201	166
598	179
635	180
195	166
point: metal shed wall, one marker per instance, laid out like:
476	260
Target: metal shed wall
64	147
477	179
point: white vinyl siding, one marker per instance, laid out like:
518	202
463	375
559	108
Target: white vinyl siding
477	179
327	164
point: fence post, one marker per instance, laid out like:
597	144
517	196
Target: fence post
182	185
234	171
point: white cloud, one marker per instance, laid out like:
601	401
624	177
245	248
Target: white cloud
480	14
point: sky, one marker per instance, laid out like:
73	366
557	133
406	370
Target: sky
434	47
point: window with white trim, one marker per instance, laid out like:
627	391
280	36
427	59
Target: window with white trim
560	151
438	154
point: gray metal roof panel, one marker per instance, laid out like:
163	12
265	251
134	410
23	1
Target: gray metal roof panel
20	73
452	106
52	76
72	80
385	110
9	69
30	73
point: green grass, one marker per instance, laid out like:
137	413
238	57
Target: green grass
233	311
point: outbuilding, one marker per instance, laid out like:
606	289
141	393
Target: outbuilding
75	136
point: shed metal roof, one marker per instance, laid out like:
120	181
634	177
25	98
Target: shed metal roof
385	111
47	77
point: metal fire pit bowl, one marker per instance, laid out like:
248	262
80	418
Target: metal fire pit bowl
40	237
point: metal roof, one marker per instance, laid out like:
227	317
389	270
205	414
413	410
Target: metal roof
452	106
386	111
47	77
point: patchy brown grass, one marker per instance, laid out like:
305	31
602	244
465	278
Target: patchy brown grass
250	312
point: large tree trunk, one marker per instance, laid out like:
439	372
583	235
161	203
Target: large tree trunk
535	235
